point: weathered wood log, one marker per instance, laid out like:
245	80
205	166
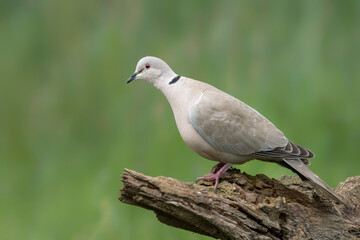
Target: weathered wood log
248	207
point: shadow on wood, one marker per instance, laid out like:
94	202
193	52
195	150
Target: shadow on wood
248	207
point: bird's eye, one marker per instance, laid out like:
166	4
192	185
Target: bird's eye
147	66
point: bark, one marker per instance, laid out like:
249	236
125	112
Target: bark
248	207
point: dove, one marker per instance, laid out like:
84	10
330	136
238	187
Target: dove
221	128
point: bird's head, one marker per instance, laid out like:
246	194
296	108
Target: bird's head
153	70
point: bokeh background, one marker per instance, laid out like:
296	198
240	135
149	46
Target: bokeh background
69	124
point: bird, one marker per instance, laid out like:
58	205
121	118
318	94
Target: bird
221	128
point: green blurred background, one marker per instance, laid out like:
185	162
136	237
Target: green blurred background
69	124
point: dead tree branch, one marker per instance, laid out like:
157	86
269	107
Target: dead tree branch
248	207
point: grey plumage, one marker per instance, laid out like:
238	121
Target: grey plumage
225	122
222	128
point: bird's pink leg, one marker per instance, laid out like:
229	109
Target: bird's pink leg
215	176
216	167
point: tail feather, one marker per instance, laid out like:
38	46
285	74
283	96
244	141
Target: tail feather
296	165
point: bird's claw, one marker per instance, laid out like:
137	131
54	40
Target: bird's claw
215	176
211	177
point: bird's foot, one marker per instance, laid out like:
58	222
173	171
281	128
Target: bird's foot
215	176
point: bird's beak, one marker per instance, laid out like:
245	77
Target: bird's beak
133	77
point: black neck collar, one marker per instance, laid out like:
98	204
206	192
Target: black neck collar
175	79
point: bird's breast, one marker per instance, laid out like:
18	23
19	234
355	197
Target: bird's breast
182	98
190	136
198	144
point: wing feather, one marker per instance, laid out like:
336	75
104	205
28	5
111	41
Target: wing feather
231	126
291	150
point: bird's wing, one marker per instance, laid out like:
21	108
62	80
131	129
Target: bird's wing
291	150
230	125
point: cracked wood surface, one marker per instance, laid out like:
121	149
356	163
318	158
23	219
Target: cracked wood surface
248	207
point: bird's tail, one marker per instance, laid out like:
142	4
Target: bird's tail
297	165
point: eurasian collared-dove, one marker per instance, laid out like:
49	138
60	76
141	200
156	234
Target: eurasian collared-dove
221	128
